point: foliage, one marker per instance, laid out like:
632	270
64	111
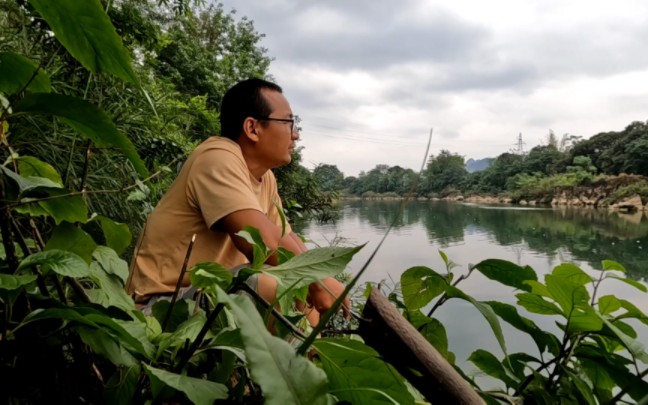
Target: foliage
593	356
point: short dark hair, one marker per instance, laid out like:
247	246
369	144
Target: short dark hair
243	100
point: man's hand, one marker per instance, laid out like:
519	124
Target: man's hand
322	298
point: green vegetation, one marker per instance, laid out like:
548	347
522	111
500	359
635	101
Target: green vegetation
88	142
545	171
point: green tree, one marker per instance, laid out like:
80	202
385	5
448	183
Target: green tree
444	172
328	177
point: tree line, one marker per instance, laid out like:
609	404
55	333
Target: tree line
566	162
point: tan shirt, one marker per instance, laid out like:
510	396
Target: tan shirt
214	182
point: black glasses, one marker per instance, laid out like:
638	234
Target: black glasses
294	121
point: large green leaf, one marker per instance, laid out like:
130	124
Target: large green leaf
30	166
507	273
259	248
635	347
284	376
435	333
122	386
199	391
486	311
584	321
208	275
84	117
111	263
510	314
573	273
612	265
118	236
608	304
28	183
59	261
105	345
566	293
73	239
64	207
537	305
11	282
489	364
16	70
313	265
420	285
583	387
358	375
85	30
111	289
636	284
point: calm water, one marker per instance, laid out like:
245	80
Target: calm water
539	237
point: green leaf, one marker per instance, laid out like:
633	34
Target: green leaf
313	265
537	305
611	265
11	282
105	345
59	261
27	184
486	311
111	290
16	70
199	391
435	333
84	117
489	364
420	285
284	377
259	248
510	314
507	273
208	275
449	264
582	386
584	321
111	263
600	378
358	375
633	312
573	273
566	293
636	284
634	346
30	166
73	239
122	386
118	236
608	304
65	207
86	32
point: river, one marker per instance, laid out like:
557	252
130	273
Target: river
535	236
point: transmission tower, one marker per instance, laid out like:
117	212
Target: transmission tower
520	145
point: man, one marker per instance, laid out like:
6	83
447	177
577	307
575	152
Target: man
225	185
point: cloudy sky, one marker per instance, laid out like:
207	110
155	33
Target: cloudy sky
370	78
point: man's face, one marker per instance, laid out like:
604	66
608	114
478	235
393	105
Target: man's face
276	138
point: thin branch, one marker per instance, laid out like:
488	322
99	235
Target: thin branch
183	271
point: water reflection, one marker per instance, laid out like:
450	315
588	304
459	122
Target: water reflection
586	235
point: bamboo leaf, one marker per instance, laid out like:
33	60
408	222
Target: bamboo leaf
420	285
84	117
507	273
199	391
313	265
16	70
86	32
358	375
284	377
59	261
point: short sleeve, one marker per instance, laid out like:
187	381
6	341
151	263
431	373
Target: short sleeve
219	184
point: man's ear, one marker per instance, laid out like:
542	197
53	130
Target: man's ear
250	129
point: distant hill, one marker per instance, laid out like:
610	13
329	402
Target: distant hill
473	165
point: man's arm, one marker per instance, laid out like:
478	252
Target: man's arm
318	296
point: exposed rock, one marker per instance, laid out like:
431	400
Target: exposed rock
631	204
523	202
